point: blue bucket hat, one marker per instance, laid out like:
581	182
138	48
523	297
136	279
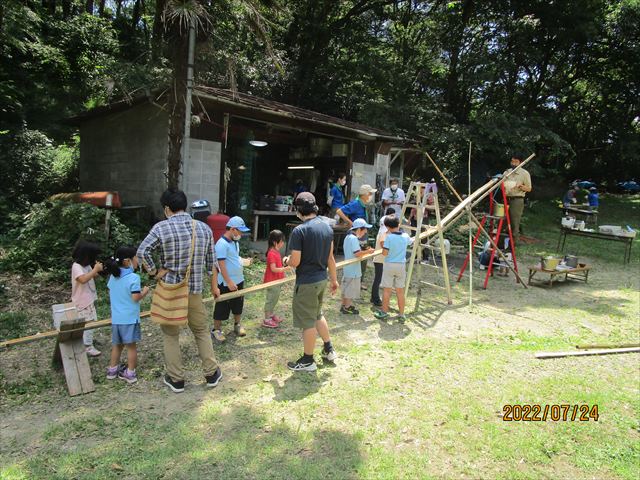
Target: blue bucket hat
360	223
238	222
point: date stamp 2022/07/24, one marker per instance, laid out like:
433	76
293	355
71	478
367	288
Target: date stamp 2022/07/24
554	413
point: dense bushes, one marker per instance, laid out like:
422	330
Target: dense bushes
33	168
46	237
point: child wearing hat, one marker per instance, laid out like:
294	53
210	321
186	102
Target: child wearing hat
230	278
394	269
352	273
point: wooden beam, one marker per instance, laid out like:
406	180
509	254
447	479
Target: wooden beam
584	353
622	345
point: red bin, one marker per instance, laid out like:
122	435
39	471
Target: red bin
218	224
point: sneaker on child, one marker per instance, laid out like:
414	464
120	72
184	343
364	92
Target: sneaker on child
351	310
218	336
93	351
112	372
329	355
303	365
128	376
239	330
278	319
269	323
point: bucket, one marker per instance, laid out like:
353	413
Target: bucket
549	263
498	210
571	261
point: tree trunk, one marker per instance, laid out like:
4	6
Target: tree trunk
89	7
101	8
66	8
177	107
158	30
135	16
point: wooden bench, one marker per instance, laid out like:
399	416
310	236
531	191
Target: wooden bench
70	350
580	273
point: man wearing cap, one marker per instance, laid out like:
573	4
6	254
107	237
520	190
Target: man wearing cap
230	278
173	238
393	197
358	209
521	181
351	274
311	246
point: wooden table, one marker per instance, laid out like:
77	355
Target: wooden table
580	273
628	241
266	213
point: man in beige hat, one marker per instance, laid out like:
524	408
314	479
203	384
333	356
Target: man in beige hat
518	185
358	209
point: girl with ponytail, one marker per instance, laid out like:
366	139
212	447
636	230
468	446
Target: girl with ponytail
125	293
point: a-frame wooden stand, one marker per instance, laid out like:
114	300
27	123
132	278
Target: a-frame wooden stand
70	350
500	225
422	193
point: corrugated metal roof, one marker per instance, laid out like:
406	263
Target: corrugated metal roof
250	102
296	113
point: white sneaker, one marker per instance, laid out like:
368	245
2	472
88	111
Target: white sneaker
93	351
329	356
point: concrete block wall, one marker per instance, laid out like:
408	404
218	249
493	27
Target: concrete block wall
126	152
201	172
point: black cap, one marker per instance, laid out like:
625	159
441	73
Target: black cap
305	199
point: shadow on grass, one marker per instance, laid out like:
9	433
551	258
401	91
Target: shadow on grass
300	385
210	442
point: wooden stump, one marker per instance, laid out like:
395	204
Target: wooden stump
70	350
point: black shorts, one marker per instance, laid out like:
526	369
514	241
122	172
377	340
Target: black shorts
235	305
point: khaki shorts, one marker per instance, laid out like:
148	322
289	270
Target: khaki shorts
307	304
350	287
393	275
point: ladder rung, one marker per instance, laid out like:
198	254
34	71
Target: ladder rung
410	205
432	285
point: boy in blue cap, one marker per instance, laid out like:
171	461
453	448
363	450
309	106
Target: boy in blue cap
230	278
351	274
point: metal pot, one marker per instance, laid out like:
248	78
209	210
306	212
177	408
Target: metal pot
549	263
571	261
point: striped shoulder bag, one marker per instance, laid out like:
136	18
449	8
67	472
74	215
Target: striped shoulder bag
170	302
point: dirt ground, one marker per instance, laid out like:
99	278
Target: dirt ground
34	398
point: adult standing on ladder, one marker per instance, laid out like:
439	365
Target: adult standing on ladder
518	185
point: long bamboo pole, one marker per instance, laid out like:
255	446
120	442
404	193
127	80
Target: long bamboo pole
450	218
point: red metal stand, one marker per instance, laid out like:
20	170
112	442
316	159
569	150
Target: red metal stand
501	221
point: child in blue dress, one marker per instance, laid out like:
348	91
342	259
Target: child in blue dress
125	293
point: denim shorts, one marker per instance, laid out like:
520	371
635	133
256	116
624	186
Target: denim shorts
123	334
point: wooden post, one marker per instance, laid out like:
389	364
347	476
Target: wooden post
70	350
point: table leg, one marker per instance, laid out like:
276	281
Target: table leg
531	274
255	227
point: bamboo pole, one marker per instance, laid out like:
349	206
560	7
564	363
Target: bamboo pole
622	345
584	353
447	222
469	221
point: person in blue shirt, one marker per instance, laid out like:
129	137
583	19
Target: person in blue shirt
358	209
337	194
230	278
594	198
351	274
394	270
125	293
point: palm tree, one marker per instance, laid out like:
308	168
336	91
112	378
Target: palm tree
178	16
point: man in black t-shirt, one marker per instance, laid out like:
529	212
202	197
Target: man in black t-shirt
311	246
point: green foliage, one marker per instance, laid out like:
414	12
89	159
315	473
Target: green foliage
35	169
45	240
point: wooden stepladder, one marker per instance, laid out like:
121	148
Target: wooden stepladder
70	350
426	197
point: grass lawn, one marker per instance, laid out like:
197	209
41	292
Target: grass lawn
418	401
